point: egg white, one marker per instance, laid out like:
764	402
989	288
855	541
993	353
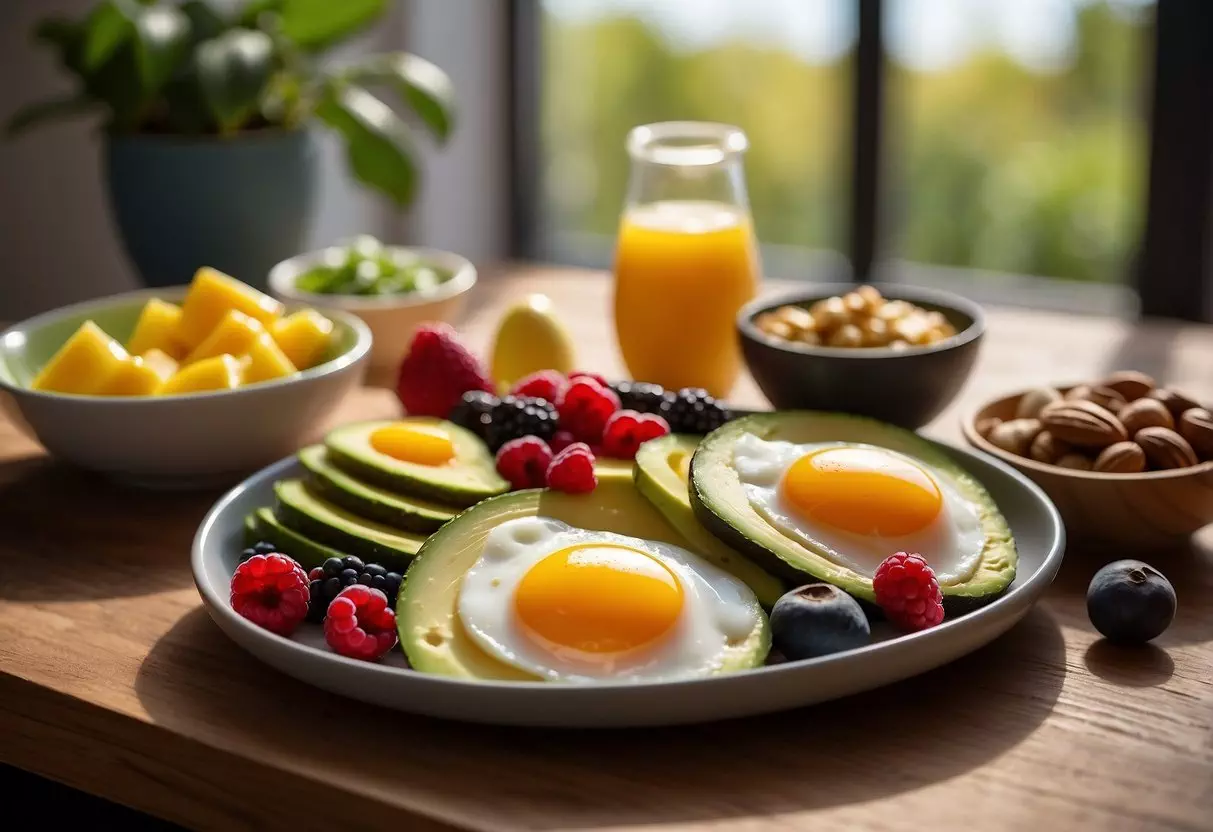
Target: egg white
952	543
718	610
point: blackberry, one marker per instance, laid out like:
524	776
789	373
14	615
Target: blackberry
643	397
338	573
474	411
695	410
261	547
517	416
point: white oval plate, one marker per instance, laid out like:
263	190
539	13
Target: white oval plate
1034	521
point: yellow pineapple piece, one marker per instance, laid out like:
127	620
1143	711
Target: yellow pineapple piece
221	372
235	335
156	329
304	336
211	295
84	364
266	361
162	364
136	377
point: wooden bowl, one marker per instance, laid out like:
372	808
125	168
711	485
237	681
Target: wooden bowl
1151	510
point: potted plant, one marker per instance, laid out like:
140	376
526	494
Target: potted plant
208	151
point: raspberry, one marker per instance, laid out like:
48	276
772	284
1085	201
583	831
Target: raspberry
360	624
561	440
437	371
272	592
907	591
602	382
524	462
627	429
545	384
585	407
572	470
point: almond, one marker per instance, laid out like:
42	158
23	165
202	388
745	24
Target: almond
1196	425
1145	413
1034	401
1084	423
1015	436
1177	403
1130	384
1077	462
1121	458
1105	397
1165	449
1046	447
984	426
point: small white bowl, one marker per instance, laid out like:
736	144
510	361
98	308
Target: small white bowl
182	441
392	318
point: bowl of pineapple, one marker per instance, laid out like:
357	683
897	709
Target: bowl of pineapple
179	387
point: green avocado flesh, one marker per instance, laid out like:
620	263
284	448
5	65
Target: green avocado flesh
430	630
263	524
720	503
370	501
661	476
307	514
469	478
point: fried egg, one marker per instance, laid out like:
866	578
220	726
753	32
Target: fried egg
575	605
858	504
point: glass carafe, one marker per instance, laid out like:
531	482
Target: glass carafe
686	259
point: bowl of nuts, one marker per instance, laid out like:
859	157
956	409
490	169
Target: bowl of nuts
895	353
1128	463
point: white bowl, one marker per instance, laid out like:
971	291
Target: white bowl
171	441
392	318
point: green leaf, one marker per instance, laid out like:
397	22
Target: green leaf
162	35
316	24
233	71
253	9
378	144
107	27
205	22
38	112
118	85
423	86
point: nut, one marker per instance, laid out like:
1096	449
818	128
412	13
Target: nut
1145	413
984	426
1105	397
1130	384
1078	462
1084	423
1033	401
1165	448
1047	448
1015	436
1196	425
1080	391
1121	458
1177	403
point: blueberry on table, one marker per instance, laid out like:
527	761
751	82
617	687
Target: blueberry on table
816	620
1130	602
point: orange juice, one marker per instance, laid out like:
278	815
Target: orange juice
682	271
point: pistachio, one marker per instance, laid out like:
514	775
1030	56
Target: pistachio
1015	436
1033	401
1164	448
1084	423
1145	413
1121	458
1196	425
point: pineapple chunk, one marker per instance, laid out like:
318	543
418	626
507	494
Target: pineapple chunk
304	336
136	377
235	335
162	365
156	329
212	294
222	372
84	364
266	361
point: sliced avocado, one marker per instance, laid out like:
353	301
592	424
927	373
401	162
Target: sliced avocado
409	513
263	524
430	630
661	470
608	468
720	503
304	512
469	478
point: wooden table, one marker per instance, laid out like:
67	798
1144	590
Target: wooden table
114	680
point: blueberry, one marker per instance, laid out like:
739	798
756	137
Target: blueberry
1130	602
351	562
374	569
332	567
817	620
264	547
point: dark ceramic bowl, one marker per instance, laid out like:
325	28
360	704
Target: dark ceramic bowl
907	388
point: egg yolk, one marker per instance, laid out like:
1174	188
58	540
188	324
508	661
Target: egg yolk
597	599
417	443
862	490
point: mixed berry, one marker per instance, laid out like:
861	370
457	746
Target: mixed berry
271	590
907	592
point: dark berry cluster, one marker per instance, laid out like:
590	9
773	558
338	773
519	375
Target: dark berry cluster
261	547
643	397
497	421
336	574
695	410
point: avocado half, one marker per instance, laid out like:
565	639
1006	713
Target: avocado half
660	474
430	631
720	503
469	478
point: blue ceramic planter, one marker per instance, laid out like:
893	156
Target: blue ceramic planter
239	205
